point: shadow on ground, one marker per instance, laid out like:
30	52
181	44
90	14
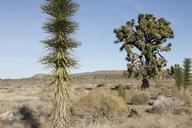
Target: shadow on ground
28	118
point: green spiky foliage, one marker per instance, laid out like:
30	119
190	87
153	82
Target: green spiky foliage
60	44
187	70
178	75
144	41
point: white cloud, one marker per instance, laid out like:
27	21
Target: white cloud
135	5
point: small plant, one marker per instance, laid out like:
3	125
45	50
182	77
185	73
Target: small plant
187	69
121	91
139	99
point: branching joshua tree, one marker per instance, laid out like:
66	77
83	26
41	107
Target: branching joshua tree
60	43
144	43
187	69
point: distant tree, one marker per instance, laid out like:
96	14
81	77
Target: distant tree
187	70
144	43
171	70
60	43
178	75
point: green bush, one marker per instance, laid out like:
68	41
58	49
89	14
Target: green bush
139	99
121	91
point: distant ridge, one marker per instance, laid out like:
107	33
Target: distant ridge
78	79
100	72
86	79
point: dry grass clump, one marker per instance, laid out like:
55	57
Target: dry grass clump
184	103
149	122
83	124
166	90
14	125
99	106
139	99
185	97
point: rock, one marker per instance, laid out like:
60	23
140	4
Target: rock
182	110
7	116
127	87
162	100
168	105
161	105
133	112
114	87
151	102
80	89
154	96
154	110
100	85
89	88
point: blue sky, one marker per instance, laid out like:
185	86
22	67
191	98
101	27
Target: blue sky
20	33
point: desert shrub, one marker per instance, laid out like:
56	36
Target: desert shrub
185	98
121	91
11	125
149	122
139	99
100	105
83	124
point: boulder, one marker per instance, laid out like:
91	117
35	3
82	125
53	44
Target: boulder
7	116
167	105
154	96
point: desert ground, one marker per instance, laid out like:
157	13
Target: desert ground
97	102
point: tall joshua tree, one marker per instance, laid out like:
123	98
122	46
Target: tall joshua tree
144	43
60	26
187	69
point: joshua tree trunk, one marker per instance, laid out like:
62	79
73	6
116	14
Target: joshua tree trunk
145	83
62	106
